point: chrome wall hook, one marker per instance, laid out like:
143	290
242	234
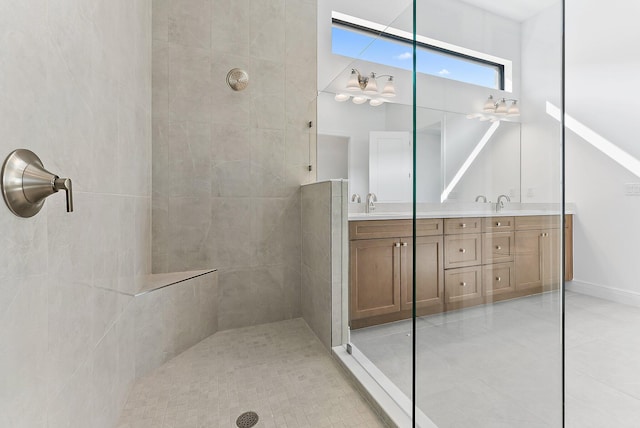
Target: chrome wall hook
26	184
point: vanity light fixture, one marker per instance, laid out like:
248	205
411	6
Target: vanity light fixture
494	111
500	107
368	87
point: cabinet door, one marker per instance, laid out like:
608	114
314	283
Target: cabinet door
374	277
528	259
568	246
429	271
550	259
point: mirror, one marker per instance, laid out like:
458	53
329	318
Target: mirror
459	158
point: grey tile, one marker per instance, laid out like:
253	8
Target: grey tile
279	370
189	23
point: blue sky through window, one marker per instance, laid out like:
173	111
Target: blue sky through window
368	47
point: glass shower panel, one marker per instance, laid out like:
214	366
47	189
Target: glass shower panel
371	133
488	248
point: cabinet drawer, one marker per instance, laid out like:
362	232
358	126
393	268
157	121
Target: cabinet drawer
428	226
497	224
462	225
463	284
498	247
371	229
498	278
462	250
537	222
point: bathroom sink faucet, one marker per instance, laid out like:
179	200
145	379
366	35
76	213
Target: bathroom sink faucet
500	202
483	197
371	206
356	198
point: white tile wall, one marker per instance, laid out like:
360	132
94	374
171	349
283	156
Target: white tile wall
227	166
76	89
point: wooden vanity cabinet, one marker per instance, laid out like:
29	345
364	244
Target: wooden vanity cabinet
375	277
429	279
461	262
537	255
381	270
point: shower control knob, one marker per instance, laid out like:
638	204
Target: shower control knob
26	184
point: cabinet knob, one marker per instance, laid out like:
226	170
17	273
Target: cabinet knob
498	247
462	250
404	244
498	224
463	225
463	284
498	279
397	245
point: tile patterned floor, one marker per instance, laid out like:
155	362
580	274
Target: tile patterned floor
500	365
279	370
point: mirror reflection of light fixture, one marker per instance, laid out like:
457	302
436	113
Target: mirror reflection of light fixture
376	103
493	110
342	97
359	100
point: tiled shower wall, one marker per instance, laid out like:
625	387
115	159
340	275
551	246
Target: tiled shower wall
227	165
76	89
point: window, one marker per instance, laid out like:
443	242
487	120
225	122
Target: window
393	48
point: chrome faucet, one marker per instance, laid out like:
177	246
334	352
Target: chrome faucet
356	198
371	206
481	197
500	202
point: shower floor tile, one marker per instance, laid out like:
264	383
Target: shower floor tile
279	370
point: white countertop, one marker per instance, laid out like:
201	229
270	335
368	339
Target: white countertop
383	212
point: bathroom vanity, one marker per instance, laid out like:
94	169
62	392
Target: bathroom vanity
460	262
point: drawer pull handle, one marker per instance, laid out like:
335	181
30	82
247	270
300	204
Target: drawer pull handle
463	225
462	250
498	279
404	244
463	284
397	245
498	247
498	224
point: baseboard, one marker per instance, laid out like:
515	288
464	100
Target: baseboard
613	294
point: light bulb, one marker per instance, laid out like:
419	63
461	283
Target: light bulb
513	110
359	100
389	89
342	97
502	107
353	84
376	103
489	105
372	86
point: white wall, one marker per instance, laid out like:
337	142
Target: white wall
541	83
496	169
333	157
353	121
603	64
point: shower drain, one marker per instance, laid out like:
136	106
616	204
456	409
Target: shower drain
247	420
